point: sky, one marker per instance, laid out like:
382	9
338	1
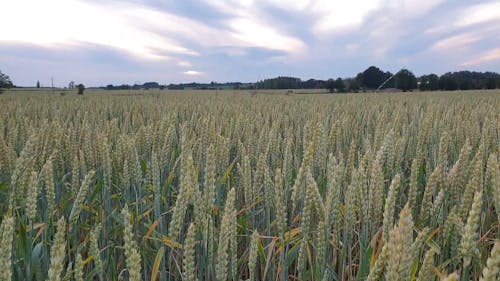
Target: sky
114	42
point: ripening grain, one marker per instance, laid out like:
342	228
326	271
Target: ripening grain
229	186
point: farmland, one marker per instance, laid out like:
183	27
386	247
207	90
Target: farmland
198	185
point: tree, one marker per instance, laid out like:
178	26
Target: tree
71	85
280	82
339	85
388	83
152	85
5	81
372	77
336	85
352	85
491	83
38	84
448	82
312	84
405	80
467	80
81	88
330	85
429	82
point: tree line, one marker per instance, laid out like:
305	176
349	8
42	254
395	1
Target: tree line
374	78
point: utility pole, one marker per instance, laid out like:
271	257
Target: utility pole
52	82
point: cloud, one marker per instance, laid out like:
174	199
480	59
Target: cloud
410	8
455	42
339	15
487	57
468	42
193	73
68	22
468	16
464	36
336	16
244	22
90	64
480	13
259	35
138	29
326	16
167	25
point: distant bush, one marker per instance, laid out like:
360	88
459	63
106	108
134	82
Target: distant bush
5	81
80	88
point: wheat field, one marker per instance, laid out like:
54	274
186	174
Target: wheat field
223	186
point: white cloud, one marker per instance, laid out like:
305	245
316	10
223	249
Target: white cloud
469	16
328	15
337	15
456	42
468	48
260	35
331	16
135	29
60	22
193	73
486	57
465	40
477	14
245	24
170	25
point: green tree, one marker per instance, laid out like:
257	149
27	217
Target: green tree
5	81
339	85
38	84
448	82
389	83
405	80
491	83
468	80
352	85
429	82
280	82
330	85
372	77
81	88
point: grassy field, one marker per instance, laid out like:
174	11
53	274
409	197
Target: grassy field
200	185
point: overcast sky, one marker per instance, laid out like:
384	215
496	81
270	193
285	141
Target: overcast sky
103	42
